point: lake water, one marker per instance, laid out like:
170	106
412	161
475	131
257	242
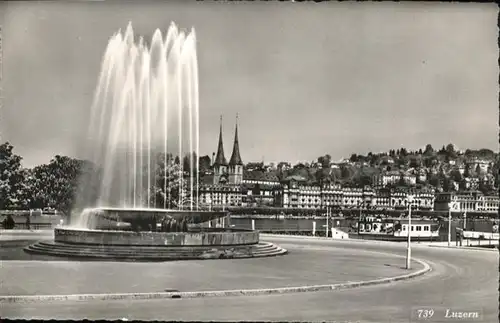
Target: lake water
305	226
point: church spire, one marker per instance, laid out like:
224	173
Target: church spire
235	157
220	159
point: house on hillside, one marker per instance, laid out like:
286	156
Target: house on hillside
393	177
284	166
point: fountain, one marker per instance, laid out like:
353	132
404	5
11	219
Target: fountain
146	106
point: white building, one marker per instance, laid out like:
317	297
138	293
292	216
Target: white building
471	201
393	177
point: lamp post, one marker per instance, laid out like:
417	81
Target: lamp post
465	221
451	206
327	216
408	247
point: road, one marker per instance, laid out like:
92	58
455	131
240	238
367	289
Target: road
461	279
302	267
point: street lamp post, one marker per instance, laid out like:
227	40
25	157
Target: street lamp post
451	206
465	221
408	247
327	216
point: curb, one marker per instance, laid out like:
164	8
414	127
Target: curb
285	236
467	248
202	294
20	231
25	235
395	243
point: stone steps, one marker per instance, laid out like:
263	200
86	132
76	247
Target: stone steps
155	257
261	248
67	246
142	253
84	250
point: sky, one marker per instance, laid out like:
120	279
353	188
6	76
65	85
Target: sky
306	79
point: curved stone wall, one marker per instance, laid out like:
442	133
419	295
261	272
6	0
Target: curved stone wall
128	238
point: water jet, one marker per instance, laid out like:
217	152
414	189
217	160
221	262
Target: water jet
146	106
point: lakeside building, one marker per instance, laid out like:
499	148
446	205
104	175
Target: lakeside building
295	193
423	199
469	201
230	185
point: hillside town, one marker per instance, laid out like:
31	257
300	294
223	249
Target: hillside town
381	181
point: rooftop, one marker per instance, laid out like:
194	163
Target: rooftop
257	175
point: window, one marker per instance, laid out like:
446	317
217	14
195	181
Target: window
404	228
426	228
412	228
418	228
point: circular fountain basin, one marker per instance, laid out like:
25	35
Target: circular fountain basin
107	245
207	237
145	245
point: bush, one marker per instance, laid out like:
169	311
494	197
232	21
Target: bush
8	223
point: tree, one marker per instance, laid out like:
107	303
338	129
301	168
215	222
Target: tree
11	177
322	176
205	163
8	223
167	190
400	162
434	181
485	187
89	185
354	158
37	198
186	162
55	184
456	176
345	173
321	160
462	185
486	153
447	185
362	180
467	171
24	196
414	162
299	166
450	151
401	181
325	161
420	151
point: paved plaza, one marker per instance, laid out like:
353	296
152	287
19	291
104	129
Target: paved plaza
459	278
314	265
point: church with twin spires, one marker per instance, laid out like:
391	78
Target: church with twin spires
228	173
230	185
225	187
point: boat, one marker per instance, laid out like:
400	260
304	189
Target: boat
396	229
